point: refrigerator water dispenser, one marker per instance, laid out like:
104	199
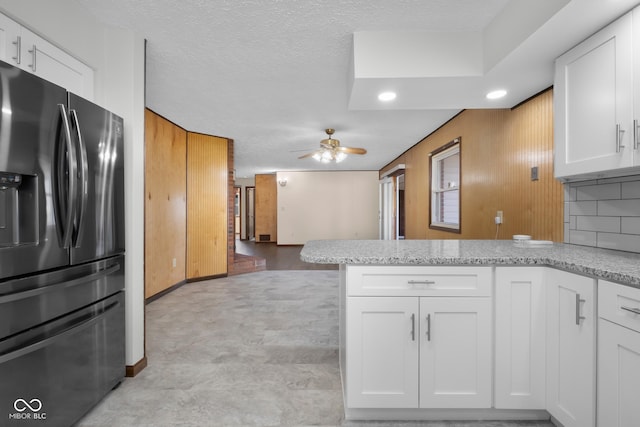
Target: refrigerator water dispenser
18	209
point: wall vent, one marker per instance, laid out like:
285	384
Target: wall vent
265	237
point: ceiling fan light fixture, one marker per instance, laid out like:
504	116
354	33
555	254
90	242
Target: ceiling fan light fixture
331	150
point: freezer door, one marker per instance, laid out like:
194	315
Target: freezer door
99	224
56	372
28	301
30	131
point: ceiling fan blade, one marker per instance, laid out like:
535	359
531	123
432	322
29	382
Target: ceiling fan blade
352	150
310	154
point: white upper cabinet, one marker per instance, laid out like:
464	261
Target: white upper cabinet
26	50
593	104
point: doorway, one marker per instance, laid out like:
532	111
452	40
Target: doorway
237	207
250	212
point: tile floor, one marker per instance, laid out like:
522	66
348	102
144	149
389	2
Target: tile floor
256	349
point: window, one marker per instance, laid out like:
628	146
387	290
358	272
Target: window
445	187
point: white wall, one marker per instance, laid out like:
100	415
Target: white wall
117	56
327	205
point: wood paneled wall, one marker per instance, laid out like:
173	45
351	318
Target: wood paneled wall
207	205
165	203
266	207
498	149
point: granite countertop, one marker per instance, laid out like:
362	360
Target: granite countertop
617	266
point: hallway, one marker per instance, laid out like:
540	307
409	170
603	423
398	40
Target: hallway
279	257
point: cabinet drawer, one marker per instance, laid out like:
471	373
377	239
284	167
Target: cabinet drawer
418	281
619	304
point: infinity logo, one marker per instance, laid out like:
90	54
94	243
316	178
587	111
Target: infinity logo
21	405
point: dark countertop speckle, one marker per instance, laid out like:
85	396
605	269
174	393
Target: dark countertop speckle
616	266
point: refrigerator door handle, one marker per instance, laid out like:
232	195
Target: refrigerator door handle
84	180
85	323
65	213
15	296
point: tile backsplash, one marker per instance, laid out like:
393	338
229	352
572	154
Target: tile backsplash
603	213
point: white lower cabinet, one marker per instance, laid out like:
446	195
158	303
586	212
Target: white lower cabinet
520	338
419	352
571	350
618	355
382	357
455	352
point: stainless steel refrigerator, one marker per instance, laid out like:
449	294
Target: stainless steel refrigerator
62	327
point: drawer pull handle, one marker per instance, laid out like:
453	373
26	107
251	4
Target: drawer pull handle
413	327
429	327
578	314
631	309
421	282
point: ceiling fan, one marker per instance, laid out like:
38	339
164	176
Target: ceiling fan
331	151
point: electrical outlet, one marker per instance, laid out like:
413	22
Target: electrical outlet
174	263
499	217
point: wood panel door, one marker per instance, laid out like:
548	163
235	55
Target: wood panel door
165	204
266	208
207	205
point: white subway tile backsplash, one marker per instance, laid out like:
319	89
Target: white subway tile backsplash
621	242
630	225
583	208
631	190
629	207
603	213
609	224
598	192
585	238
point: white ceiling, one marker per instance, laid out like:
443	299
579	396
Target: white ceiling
272	75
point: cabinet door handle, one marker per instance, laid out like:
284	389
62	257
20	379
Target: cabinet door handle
421	282
429	327
619	133
635	134
413	327
33	53
578	314
631	309
18	44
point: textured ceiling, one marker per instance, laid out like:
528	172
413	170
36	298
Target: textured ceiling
272	75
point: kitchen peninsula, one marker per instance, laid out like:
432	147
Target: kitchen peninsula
485	329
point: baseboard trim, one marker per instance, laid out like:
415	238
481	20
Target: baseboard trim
160	294
133	370
447	414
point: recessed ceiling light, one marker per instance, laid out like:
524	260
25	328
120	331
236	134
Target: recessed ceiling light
496	94
387	96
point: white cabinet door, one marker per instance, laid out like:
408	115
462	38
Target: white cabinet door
455	352
593	103
10	41
618	375
26	50
571	348
520	349
382	352
51	63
